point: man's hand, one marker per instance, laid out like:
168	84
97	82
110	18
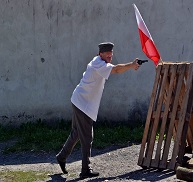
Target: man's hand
135	65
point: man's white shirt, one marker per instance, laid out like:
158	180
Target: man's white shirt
87	94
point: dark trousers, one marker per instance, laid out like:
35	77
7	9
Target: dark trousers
82	129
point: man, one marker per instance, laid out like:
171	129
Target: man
85	104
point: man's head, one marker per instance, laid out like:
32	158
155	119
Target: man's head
106	51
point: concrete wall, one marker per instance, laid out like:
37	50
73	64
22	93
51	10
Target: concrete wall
46	44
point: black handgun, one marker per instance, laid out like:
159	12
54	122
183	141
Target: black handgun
140	62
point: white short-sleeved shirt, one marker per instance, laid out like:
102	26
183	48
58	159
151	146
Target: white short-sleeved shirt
87	94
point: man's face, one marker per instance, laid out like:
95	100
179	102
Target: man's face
106	56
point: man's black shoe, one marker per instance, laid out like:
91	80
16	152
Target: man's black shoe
89	174
62	166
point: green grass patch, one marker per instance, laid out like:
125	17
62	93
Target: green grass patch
119	134
7	133
22	176
38	136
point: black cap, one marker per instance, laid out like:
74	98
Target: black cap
106	47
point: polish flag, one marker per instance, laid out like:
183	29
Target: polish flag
147	43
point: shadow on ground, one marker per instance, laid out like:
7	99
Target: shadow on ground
142	174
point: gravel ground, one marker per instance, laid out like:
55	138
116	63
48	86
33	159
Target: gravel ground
114	163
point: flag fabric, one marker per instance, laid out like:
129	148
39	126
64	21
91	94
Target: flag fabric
147	43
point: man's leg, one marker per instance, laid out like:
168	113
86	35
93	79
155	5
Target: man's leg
85	131
69	145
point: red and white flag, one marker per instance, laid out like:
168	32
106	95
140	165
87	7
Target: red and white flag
147	43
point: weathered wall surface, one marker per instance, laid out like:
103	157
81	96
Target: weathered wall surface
46	44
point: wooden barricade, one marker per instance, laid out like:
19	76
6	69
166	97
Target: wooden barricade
169	118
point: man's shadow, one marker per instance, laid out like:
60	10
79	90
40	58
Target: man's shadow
56	177
59	178
141	174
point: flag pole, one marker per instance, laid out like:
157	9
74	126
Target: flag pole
161	61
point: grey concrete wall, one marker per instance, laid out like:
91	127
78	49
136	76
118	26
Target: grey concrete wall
46	44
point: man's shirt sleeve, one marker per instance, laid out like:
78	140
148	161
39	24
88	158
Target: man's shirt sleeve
103	68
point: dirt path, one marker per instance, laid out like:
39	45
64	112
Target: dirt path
114	164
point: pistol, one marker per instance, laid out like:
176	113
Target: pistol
140	62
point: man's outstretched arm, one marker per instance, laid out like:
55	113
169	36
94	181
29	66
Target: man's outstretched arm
121	68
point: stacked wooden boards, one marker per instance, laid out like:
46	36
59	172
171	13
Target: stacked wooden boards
169	124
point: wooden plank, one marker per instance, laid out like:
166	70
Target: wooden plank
190	133
180	72
172	63
191	122
190	137
158	91
167	84
182	145
175	128
144	139
182	118
165	117
148	136
182	93
147	160
186	119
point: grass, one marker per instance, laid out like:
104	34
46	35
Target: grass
118	134
38	136
7	133
22	176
